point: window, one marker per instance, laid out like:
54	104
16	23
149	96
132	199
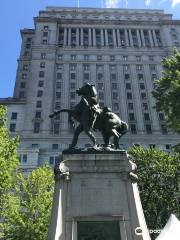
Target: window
145	106
12	127
73	76
56	128
35	145
146	117
115	95
24	158
13	115
60	57
100	86
154	77
113	76
99	67
115	106
28	46
86	67
21	94
161	117
41	74
139	67
130	106
125	67
148	128
36	127
126	76
73	85
152	145
72	95
45	34
28	39
164	129
73	57
51	160
101	95
114	85
129	95
86	57
133	128
39	93
112	67
152	67
143	95
99	57
43	55
128	86
138	58
112	58
168	146
40	83
73	67
38	114
151	58
125	58
86	76
26	53
131	117
24	76
99	76
45	28
39	104
22	85
101	104
142	86
44	41
57	107
59	75
25	67
140	77
42	64
58	85
58	95
55	146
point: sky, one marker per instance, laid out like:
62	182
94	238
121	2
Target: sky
18	14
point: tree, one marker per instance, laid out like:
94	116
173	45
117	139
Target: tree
167	91
27	209
158	174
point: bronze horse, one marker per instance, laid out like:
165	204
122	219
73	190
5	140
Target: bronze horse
91	117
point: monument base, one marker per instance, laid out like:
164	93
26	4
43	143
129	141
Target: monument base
96	198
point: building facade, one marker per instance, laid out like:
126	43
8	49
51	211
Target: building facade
118	50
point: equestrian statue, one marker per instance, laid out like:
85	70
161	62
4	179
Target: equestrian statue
93	118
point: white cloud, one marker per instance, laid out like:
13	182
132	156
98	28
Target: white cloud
147	2
174	2
111	3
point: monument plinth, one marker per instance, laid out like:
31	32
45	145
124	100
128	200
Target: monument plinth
96	198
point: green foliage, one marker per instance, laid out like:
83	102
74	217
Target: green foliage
27	209
167	90
158	174
8	155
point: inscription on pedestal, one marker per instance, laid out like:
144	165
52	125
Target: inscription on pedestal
98	230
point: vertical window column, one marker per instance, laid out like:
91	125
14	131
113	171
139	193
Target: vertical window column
90	41
114	38
130	38
65	36
126	38
106	38
154	37
69	37
138	37
82	37
118	38
150	38
142	38
77	36
102	38
94	37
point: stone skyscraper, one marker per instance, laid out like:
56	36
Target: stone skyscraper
119	50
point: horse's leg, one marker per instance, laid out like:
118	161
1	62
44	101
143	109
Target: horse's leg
91	136
77	131
116	142
106	138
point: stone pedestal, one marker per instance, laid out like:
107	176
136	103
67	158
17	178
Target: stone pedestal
96	198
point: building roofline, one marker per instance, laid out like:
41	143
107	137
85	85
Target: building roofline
10	100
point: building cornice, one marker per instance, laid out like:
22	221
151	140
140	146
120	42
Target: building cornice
10	100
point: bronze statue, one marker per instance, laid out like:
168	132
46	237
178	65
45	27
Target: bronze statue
91	117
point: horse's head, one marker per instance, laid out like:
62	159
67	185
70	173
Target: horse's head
87	90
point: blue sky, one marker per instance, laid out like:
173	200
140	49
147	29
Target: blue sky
18	14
